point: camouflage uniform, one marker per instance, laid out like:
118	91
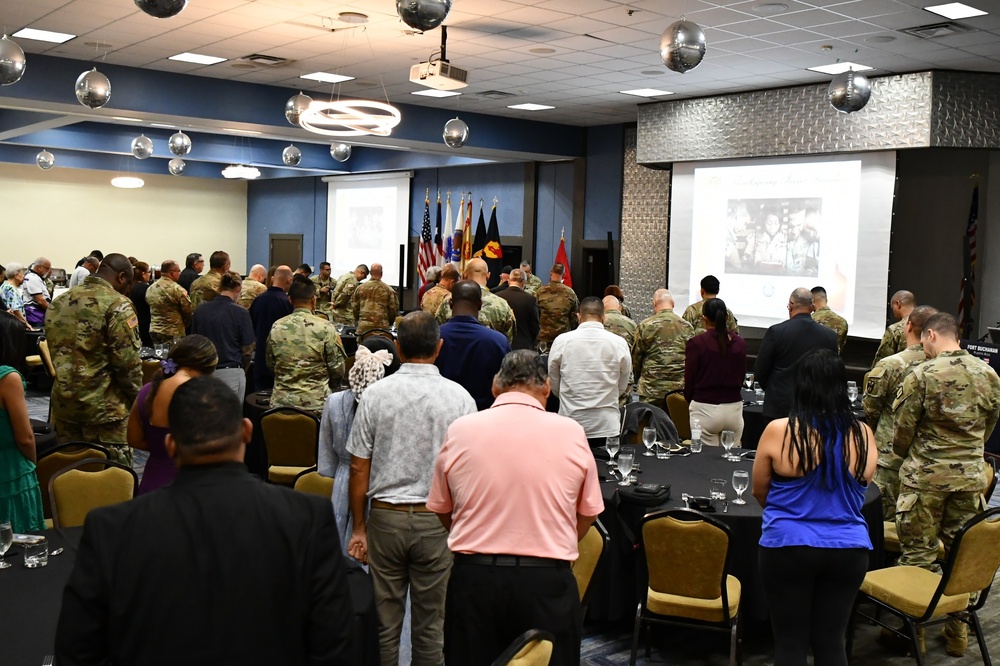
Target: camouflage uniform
169	310
205	288
692	315
251	290
658	355
893	340
944	410
625	328
625	310
494	313
307	357
557	307
324	302
341	302
880	388
375	305
93	335
837	324
433	298
533	284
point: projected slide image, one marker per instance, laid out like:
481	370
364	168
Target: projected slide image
365	227
775	236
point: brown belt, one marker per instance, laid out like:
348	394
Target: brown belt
414	508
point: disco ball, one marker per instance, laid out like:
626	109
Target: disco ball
179	144
423	15
849	91
93	89
456	133
682	46
291	156
340	152
45	160
161	8
296	106
12	62
176	166
142	146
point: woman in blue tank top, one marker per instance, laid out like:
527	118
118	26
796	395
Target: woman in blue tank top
810	475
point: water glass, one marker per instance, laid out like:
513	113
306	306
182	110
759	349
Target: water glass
696	445
852	391
758	393
611	444
625	459
748	380
741	481
662	450
649	441
728	438
6	539
36	553
718	489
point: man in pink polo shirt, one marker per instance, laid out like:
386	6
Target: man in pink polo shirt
517	487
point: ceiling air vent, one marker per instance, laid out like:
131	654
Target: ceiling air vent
495	94
263	60
938	30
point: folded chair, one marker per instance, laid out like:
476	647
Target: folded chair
75	492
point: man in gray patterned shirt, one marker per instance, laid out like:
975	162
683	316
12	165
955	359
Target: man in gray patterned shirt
398	430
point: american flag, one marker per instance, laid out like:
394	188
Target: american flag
969	268
425	253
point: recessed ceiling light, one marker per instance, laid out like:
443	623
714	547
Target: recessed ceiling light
838	67
542	50
646	92
197	59
769	8
430	92
880	39
326	78
99	44
530	107
353	17
127	182
128	120
951	10
43	35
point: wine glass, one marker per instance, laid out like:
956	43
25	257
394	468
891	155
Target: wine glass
728	438
625	459
852	391
611	444
649	441
6	539
741	480
543	347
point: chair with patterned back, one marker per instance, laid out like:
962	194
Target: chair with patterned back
313	483
532	648
60	457
291	436
74	492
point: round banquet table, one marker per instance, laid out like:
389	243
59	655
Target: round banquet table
621	579
753	419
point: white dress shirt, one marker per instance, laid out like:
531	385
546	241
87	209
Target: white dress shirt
589	368
78	275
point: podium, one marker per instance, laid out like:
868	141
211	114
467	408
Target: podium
989	352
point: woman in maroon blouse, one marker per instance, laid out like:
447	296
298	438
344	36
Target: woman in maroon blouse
714	367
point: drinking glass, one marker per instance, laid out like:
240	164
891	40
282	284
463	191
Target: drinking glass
625	459
718	489
852	391
741	480
649	441
6	539
758	393
611	444
663	449
543	347
748	381
728	438
36	553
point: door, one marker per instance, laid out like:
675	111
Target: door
285	250
596	273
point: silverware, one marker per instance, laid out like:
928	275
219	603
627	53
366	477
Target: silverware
725	506
57	551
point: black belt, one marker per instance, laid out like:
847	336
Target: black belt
228	366
510	561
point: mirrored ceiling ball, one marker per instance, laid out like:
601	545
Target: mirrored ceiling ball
341	152
176	166
161	8
179	144
142	146
291	156
12	61
456	133
683	46
93	89
296	106
423	15
849	91
45	160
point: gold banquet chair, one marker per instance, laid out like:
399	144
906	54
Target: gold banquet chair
677	408
59	458
291	436
75	492
532	648
687	556
922	598
591	546
311	482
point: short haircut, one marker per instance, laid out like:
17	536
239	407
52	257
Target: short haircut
449	272
801	297
301	291
433	273
219	259
521	367
13	268
592	306
525	264
616	291
517	275
418	334
558	268
943	324
904	297
168	266
362	268
230	281
305	267
467	291
92	260
324	264
191	259
918	318
710	284
98	254
818	292
205	416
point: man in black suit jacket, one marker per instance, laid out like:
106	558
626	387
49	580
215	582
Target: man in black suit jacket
783	345
266	309
525	309
217	568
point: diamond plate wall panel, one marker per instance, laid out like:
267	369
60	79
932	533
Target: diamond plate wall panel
787	121
645	223
965	110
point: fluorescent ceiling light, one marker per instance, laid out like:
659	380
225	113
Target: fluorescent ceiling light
197	59
431	92
645	92
951	10
530	107
127	120
44	35
127	182
839	67
240	131
326	78
241	171
162	125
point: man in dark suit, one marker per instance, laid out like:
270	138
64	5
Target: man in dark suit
266	309
783	345
525	309
217	568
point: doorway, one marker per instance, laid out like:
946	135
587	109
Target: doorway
285	250
596	272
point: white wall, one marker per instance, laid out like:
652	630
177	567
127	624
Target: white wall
64	213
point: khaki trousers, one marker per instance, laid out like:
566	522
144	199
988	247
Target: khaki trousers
716	418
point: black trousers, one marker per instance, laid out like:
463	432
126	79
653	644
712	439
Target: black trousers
810	593
487	607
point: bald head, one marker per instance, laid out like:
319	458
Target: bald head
663	300
800	301
478	271
116	269
258	273
376	271
902	303
612	304
282	277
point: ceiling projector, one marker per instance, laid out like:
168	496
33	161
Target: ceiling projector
440	75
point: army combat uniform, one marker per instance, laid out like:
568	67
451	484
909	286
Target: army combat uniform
693	313
494	313
307	358
433	298
557	308
625	328
893	340
341	304
375	306
837	324
93	335
658	355
250	290
324	302
205	288
880	387
169	310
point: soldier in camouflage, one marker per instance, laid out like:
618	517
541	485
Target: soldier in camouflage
440	292
494	313
894	338
93	336
341	303
622	326
206	287
880	388
658	352
616	291
253	285
375	303
822	314
305	353
557	307
533	283
692	314
169	306
324	287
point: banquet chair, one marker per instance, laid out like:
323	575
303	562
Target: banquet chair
376	331
591	546
149	368
532	648
291	436
60	457
687	557
48	365
922	598
74	492
311	482
677	407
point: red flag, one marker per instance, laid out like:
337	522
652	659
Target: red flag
425	251
562	258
